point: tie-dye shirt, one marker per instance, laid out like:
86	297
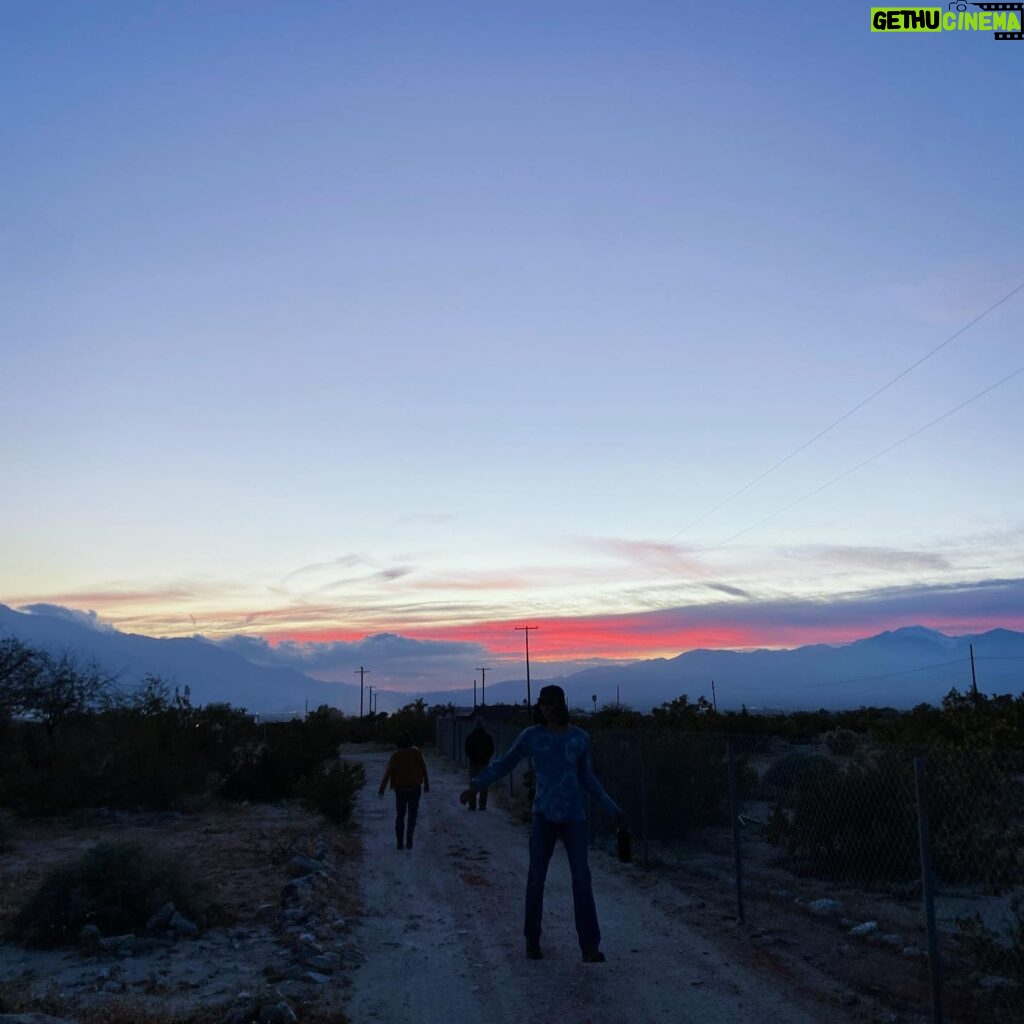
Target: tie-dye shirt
562	764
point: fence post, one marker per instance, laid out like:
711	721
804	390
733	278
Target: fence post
734	813
928	887
643	803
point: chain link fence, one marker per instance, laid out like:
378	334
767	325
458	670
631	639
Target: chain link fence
901	871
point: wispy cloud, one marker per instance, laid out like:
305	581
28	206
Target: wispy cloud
348	561
870	558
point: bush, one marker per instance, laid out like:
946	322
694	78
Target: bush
1000	954
841	742
290	751
684	778
332	791
783	777
857	824
116	886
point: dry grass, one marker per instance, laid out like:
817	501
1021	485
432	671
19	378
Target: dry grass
239	851
229	845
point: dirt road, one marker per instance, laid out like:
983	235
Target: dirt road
442	932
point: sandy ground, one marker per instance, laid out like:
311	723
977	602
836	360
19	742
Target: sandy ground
441	932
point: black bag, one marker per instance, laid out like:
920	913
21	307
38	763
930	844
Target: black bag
625	841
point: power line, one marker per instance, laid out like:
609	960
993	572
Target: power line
872	458
835	423
852	469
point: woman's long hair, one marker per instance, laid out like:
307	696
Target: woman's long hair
561	708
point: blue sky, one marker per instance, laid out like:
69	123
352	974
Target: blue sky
321	320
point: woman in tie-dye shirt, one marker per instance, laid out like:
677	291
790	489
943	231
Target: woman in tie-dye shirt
561	760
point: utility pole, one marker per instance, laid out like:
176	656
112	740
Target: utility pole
369	699
483	686
974	681
361	672
618	703
474	693
529	696
593	697
714	699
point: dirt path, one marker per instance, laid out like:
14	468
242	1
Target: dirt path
442	932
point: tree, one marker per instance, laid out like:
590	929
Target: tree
681	714
19	665
63	687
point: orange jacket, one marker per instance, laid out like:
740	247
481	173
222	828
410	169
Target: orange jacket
406	768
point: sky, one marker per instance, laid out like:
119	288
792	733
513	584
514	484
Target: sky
333	327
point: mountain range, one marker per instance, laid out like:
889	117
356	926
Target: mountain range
212	674
900	668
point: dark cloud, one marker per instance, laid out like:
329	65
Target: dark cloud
726	589
993	600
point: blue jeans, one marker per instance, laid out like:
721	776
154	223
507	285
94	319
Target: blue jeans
543	838
407	800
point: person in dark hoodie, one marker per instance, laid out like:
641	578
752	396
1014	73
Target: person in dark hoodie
561	759
479	749
407	773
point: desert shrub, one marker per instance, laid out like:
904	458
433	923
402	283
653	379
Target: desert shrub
143	750
841	742
289	752
974	801
116	886
682	776
989	953
860	822
857	824
332	790
260	776
783	777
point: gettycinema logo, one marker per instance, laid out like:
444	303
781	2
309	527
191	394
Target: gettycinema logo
1002	20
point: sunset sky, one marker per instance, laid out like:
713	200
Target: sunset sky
327	320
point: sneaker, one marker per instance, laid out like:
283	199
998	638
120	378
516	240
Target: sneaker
593	956
401	845
533	950
408	844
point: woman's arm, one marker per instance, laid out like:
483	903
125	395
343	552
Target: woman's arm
590	783
504	764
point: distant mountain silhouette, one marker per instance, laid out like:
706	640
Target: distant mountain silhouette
900	668
213	674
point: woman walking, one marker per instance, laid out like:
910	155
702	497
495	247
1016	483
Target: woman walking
407	773
561	759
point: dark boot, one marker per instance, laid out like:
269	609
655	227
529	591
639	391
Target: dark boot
533	950
399	835
408	840
593	956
